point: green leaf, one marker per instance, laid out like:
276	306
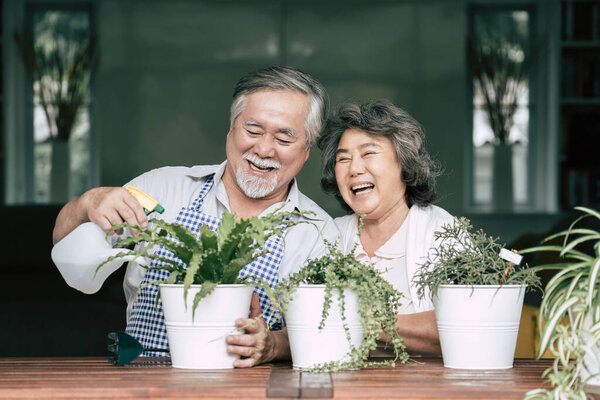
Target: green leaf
593	279
589	211
206	289
208	238
191	270
225	228
551	325
232	270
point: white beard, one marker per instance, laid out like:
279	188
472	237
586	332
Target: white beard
253	186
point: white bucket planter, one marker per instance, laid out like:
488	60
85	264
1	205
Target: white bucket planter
199	342
478	325
308	344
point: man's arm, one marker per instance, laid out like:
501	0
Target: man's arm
105	206
419	331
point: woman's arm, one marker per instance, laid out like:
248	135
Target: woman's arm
419	331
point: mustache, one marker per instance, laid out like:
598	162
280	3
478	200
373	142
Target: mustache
261	162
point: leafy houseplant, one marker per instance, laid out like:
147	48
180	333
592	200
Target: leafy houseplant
211	259
466	270
574	291
464	257
342	276
207	268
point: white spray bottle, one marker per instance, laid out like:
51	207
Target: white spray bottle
78	254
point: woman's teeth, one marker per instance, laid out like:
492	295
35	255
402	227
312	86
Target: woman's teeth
362	187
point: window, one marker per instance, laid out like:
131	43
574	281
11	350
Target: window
62	54
47	102
499	58
2	150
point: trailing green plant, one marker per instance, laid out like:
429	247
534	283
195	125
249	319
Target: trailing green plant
378	304
467	257
211	258
574	291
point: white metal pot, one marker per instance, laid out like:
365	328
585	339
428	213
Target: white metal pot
478	325
308	344
198	342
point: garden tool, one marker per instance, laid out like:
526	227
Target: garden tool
126	348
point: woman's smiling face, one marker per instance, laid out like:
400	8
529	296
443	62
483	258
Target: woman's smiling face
368	174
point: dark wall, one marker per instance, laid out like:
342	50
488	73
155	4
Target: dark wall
42	315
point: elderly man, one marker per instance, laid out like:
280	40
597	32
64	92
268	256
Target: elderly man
276	116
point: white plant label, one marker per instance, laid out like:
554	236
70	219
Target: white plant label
510	256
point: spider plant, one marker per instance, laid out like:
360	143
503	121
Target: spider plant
574	292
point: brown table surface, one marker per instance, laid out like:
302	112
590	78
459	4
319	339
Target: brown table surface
81	378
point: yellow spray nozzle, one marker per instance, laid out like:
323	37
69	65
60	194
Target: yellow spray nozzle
147	202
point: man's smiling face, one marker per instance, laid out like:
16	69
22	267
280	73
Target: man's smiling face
266	146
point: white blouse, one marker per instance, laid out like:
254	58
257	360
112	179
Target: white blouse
390	260
416	242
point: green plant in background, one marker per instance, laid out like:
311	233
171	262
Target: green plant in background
573	291
464	257
59	54
212	258
498	54
60	58
378	304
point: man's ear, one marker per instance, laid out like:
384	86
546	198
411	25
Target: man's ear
307	154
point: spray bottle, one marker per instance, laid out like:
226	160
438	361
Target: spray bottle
78	254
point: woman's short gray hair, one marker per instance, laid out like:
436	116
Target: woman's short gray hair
382	118
284	78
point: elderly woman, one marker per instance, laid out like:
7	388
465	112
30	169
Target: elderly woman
374	161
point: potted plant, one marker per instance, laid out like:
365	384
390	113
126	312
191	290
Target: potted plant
203	295
572	292
499	58
356	305
477	294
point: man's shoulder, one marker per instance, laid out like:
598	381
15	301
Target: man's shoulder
306	204
173	182
174	172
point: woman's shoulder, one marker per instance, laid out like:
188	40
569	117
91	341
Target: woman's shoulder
347	225
345	221
431	214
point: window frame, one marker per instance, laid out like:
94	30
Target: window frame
19	184
534	167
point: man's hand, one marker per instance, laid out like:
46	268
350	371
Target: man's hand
250	345
256	345
108	206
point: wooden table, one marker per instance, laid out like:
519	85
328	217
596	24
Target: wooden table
82	378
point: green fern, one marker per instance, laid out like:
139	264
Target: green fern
212	258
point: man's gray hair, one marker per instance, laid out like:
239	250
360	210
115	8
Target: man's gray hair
284	78
382	118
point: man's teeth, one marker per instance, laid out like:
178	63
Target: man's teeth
260	167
